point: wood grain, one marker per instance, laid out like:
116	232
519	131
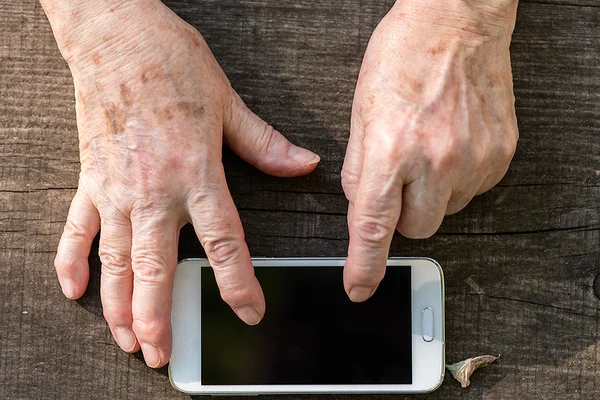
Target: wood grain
531	245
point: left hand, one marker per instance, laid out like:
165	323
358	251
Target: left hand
433	125
153	110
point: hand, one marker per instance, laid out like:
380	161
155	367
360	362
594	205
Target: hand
153	106
433	125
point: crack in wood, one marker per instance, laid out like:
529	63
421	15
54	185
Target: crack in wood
584	228
534	303
561	3
303	237
267	210
37	190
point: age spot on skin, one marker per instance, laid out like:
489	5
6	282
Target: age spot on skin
190	109
126	95
195	38
416	85
480	27
164	113
482	99
492	81
96	58
115	119
154	73
438	49
176	164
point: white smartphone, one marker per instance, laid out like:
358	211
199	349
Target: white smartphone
312	339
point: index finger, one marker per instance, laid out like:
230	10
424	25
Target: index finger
376	211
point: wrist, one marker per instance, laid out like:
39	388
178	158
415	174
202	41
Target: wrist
478	17
80	25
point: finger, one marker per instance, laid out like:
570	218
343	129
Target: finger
71	262
116	280
375	214
258	143
460	198
492	180
153	259
353	159
459	202
424	204
506	146
220	231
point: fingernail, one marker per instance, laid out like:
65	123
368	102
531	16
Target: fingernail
248	314
151	355
303	156
360	293
125	338
68	287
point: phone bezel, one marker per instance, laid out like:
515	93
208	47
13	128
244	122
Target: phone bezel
428	358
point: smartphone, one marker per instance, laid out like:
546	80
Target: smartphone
312	339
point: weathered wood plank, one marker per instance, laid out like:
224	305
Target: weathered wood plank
532	244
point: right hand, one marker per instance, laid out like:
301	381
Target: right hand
153	108
433	125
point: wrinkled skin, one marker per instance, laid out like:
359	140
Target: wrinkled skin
153	108
433	125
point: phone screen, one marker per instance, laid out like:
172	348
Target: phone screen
311	333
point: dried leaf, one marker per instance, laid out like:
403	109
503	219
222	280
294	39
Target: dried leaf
462	371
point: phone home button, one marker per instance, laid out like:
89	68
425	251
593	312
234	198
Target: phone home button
427	324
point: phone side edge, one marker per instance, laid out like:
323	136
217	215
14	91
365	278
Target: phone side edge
437	275
443	303
185	330
440	270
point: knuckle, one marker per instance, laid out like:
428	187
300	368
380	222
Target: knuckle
155	205
115	263
447	157
65	263
147	326
516	133
372	231
223	250
389	146
76	231
264	138
350	180
149	269
268	143
397	147
475	161
508	148
268	134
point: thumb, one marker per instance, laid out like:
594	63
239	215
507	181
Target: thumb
259	144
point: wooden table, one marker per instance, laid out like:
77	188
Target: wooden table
520	261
